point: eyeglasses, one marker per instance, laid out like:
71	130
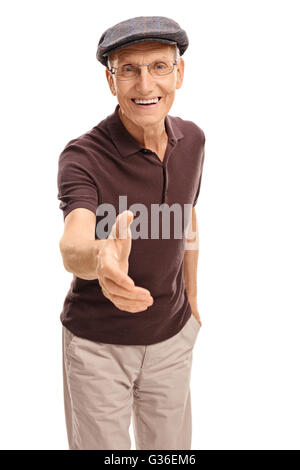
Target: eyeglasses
157	68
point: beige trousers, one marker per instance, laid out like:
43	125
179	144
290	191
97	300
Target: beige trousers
105	384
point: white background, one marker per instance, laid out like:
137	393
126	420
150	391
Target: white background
241	86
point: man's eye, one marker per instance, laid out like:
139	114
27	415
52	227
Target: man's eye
127	68
160	65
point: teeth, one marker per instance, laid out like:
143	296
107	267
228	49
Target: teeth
155	100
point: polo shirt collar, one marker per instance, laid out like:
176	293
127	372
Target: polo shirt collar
126	143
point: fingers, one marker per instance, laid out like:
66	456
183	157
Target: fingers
120	289
113	272
132	308
137	300
135	294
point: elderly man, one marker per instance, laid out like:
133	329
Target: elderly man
130	319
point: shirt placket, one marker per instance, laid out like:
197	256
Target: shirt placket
163	164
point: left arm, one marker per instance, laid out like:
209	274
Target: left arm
190	265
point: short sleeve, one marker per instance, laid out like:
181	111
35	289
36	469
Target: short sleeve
76	186
201	170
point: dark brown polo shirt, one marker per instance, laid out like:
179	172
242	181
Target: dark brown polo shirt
98	167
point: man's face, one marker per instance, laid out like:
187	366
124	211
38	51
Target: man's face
145	86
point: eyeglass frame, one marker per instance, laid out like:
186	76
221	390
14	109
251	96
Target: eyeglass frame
138	66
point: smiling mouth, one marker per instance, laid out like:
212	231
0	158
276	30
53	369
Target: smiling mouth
145	104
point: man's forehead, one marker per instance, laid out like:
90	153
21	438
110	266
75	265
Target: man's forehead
130	52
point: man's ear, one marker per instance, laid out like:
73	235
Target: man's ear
110	82
180	73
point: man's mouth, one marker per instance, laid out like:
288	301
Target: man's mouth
146	103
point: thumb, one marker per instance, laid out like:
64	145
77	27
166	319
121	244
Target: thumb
121	228
123	234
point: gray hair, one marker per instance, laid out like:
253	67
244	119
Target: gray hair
112	56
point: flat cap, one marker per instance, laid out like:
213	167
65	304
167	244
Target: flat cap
139	29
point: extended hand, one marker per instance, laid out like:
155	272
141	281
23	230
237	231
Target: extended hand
112	269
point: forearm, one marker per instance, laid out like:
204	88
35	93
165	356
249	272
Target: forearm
190	276
80	258
191	261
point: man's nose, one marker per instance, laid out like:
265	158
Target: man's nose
144	79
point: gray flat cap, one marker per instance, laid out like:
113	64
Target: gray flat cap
139	29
